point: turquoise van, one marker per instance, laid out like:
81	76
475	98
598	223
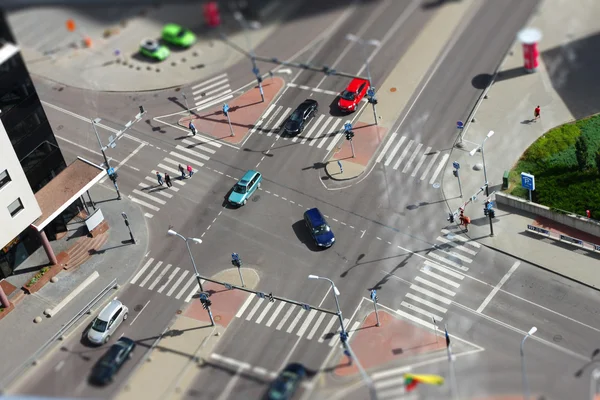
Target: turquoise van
242	190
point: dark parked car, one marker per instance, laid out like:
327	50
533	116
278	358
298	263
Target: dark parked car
301	116
318	227
110	363
286	384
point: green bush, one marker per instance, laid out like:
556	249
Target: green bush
37	276
554	141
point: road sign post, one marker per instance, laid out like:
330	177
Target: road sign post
375	300
456	166
187	107
237	261
349	135
206	303
528	182
460	126
226	112
373	101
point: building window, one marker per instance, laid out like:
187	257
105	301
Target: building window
4	178
15	207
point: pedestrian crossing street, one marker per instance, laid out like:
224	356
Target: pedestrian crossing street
293	319
322	131
152	196
211	91
433	290
416	159
173	282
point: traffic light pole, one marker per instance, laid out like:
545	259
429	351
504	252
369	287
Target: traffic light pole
240	18
102	148
352	146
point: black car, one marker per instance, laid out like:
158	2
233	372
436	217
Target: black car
107	366
300	117
286	384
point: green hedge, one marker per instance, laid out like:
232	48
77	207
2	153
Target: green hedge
559	181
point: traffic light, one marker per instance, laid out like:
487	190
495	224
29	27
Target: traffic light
343	336
349	135
455	172
450	217
113	177
485	211
206	303
212	17
141	109
259	78
271	299
373	101
492	213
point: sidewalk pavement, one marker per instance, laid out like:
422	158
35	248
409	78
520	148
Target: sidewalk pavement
244	112
117	259
507	110
395	92
113	62
181	352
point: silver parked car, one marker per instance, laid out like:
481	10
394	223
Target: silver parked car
107	322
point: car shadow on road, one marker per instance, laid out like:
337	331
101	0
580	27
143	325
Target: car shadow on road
304	236
334	110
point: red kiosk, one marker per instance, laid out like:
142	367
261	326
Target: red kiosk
530	38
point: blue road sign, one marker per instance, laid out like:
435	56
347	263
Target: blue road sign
347	126
111	171
456	165
490	205
306	307
260	294
255	70
235	256
228	286
527	181
370	92
460	124
373	294
225	108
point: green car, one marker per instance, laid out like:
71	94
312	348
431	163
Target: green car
178	35
151	48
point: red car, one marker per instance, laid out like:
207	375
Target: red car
354	93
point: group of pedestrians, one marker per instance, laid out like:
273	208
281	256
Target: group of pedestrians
167	178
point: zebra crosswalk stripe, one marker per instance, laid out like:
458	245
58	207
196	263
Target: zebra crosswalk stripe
426	302
403	155
160	192
318	135
279	122
386	147
456	245
141	271
394	151
159	277
445	270
440	278
429	293
327	328
312	129
435	286
316	326
147	278
295	321
306	322
143	203
421	311
449	262
254	309
332	133
192	152
275	314
439	168
435	156
177	282
264	313
412	158
285	318
209	80
148	196
244	306
184	288
169	279
420	163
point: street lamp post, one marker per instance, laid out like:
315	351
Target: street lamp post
364	43
523	373
595	375
171	232
240	18
489	135
336	293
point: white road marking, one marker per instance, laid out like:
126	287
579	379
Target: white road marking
140	313
336	335
183	289
198	146
430	294
133	153
445	260
177	282
444	270
148	215
426	302
412	158
192	152
209	81
264	312
141	271
323	127
153	180
332	133
148	196
169	279
143	203
190	160
316	326
386	147
295	320
354	328
439	168
439	277
435	156
420	163
456	245
498	286
285	318
244	306
415	319
306	322
275	314
312	128
327	328
456	255
280	122
192	292
421	311
403	155
156	267
394	151
160	192
461	238
435	286
254	309
159	277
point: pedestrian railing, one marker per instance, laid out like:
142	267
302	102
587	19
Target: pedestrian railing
57	336
581	244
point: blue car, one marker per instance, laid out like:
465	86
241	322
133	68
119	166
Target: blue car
287	383
318	227
242	190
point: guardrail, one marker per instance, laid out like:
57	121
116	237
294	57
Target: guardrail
57	336
582	244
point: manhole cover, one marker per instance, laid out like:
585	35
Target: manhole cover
178	89
436	185
557	338
178	312
58	128
138	308
393	89
217	318
256	198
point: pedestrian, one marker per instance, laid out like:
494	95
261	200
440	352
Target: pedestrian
340	165
168	180
536	113
192	128
182	170
159	178
464	220
190	170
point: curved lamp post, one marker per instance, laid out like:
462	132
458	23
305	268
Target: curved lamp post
472	153
336	293
524	375
595	375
